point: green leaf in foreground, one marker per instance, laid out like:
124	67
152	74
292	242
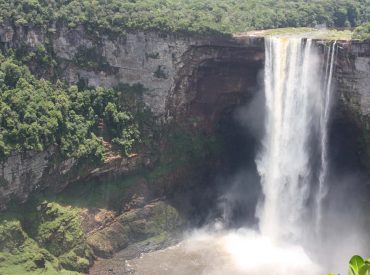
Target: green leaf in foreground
364	270
355	264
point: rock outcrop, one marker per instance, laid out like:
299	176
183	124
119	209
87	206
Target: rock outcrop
152	220
353	77
22	174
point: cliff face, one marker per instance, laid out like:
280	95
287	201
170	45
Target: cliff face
183	76
353	77
190	80
22	174
151	59
353	88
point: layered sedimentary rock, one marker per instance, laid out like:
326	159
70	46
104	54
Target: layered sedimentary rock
353	89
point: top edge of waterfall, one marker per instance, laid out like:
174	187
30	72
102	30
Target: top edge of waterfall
303	33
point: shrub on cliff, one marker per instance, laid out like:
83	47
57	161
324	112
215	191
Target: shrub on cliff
362	32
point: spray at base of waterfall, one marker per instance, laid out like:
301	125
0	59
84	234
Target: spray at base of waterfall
214	252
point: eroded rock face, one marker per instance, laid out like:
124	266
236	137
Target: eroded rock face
353	89
353	77
214	79
150	58
184	76
17	170
22	174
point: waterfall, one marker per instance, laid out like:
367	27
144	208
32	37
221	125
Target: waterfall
297	107
324	122
293	166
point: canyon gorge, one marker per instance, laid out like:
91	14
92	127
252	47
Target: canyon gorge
207	161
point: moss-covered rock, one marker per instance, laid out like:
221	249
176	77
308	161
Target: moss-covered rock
19	254
72	261
11	236
59	231
43	238
154	219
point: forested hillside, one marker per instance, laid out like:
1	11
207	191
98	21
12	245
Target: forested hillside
36	114
186	15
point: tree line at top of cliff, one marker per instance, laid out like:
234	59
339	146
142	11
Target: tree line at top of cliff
199	16
362	32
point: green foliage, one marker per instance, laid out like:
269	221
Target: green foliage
43	238
58	229
117	16
362	32
71	261
355	264
359	266
19	254
41	55
119	125
35	114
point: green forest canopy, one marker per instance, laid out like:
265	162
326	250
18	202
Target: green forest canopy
224	16
36	114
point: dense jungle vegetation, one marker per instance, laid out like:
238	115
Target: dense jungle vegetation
36	114
186	15
362	32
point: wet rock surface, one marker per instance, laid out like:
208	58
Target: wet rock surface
119	265
353	90
154	219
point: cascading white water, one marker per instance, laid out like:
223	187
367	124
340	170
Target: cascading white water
297	103
324	122
293	165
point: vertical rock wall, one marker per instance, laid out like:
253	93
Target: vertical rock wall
169	66
353	89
